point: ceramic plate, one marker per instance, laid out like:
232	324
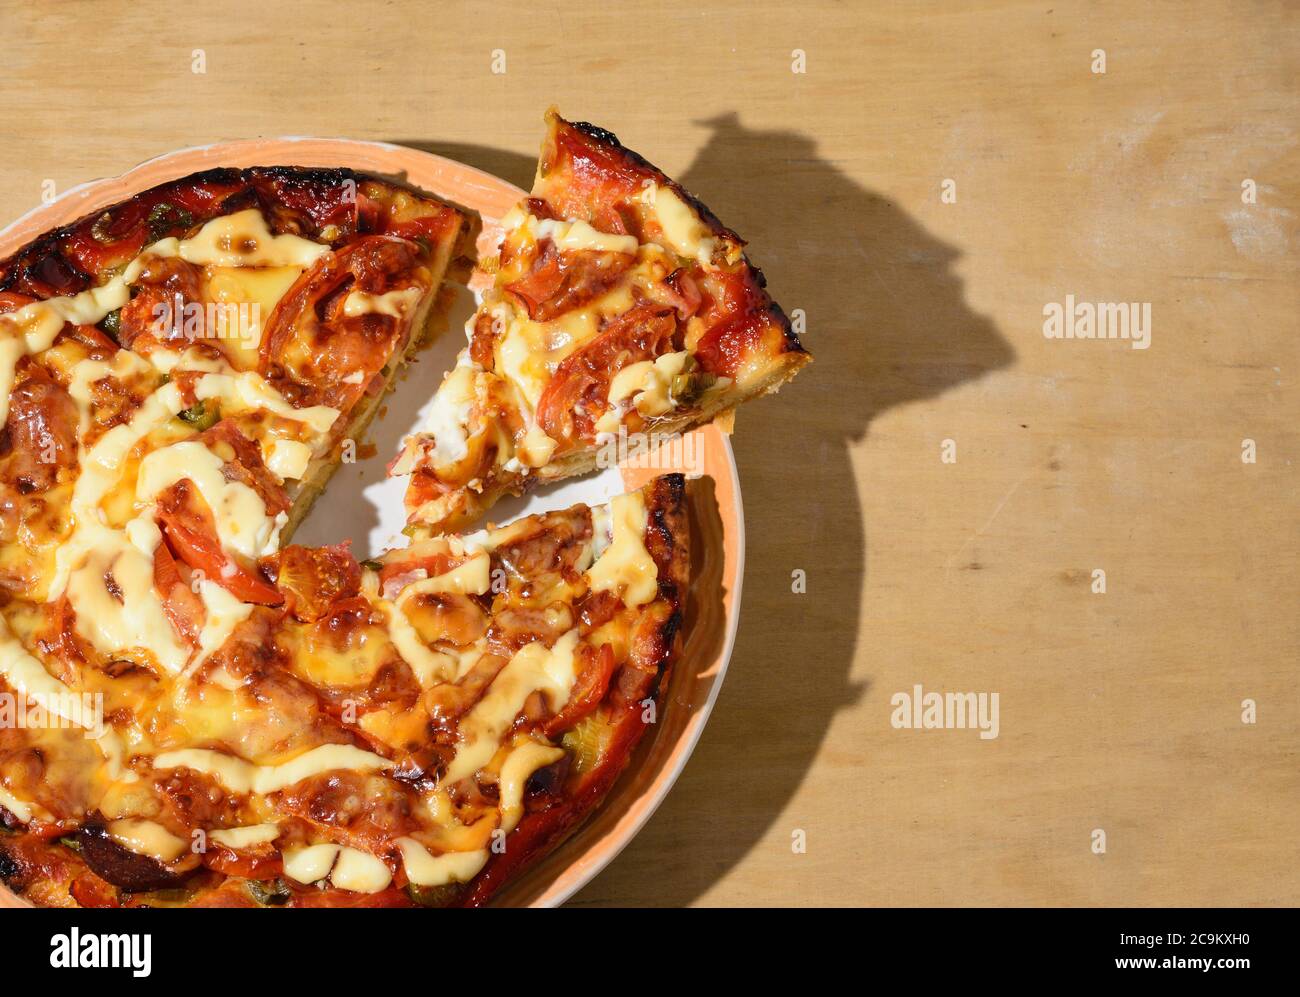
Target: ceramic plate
361	504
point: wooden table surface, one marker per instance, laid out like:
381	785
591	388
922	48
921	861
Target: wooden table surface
1120	712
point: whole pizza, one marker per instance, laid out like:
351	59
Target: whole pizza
196	712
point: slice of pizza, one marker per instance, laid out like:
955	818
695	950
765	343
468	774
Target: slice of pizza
620	305
410	731
242	324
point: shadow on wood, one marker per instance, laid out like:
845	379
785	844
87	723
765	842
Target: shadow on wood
887	324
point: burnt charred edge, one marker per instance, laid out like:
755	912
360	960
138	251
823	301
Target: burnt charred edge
119	865
20	263
218	174
637	161
11	870
666	519
303	177
790	339
672	489
667	639
45	248
9	822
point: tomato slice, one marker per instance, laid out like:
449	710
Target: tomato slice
683	293
200	550
326	356
160	307
431	227
588	690
11	301
189	528
180	602
226	440
91	891
102	247
643	333
588	178
396	574
313	579
562	281
262	863
736	318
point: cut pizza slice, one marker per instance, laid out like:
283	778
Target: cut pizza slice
411	731
619	305
196	359
280	299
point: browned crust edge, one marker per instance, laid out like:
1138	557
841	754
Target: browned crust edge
541	832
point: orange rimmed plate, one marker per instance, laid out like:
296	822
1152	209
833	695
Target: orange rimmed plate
360	504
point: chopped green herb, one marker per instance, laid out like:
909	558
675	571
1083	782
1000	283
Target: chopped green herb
165	218
687	387
268	893
433	896
99	231
202	416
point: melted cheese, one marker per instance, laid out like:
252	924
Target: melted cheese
288	459
518	768
448	416
528	352
567	235
125	366
348	868
34	327
241	239
535	448
310	864
245	297
533	668
101	469
246	837
239	514
469	578
19	808
683	230
144	837
393	303
130	616
429	664
242	523
625	567
579	236
27	676
247	391
424	869
359	871
647	384
240	776
224	613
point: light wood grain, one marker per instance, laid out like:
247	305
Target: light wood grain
1119	711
